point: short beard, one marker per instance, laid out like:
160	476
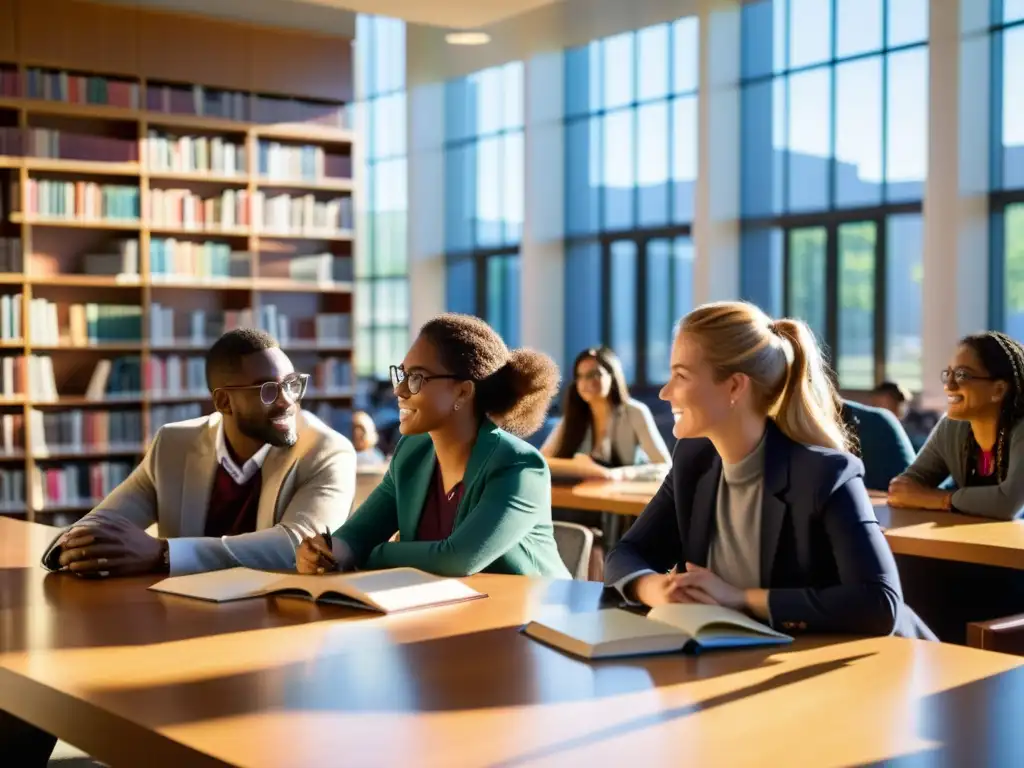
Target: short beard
267	434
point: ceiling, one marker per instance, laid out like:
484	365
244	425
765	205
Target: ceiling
338	16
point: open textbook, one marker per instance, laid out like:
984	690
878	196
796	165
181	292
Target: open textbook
667	628
397	589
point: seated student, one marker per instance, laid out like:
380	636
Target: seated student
980	442
602	427
240	487
463	491
364	439
878	440
892	397
764	511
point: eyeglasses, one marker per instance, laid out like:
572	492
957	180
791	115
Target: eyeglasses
594	375
292	386
961	376
414	381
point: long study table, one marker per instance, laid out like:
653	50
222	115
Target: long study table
138	678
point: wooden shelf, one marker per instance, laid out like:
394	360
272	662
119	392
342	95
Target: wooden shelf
169	229
226	284
8	402
100	346
316	346
71	509
172	399
79	401
195	122
41	221
198	178
81	166
311	132
285	285
69	109
11	456
11	278
89	453
339	236
12	343
311	185
10	162
87	281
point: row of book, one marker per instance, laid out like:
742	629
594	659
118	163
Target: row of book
111	379
159	415
56	85
77	485
332	374
326	328
10	254
10	317
11	142
198	328
175	376
12	434
10	82
81	200
303	214
120	257
234	208
320	268
288	161
83	324
77	431
66	145
170	258
12	490
197	100
194	154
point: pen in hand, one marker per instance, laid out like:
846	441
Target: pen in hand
325	560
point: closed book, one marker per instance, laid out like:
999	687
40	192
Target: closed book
689	628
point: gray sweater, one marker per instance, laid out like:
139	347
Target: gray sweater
943	456
735	554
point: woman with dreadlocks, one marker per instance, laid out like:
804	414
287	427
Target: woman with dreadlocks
980	443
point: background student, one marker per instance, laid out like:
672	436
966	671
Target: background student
364	440
764	511
602	428
462	490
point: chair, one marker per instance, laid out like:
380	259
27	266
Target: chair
1004	635
575	543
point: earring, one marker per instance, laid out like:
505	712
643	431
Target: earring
732	403
456	406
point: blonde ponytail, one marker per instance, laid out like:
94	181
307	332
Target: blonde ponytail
782	360
808	409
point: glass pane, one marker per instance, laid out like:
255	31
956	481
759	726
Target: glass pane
364	303
383	303
618	70
806	278
1013	108
762	147
460	114
856	333
810	32
761	257
762	53
653	165
908	21
389	228
364	50
582	80
858	27
619	169
584	300
489	166
622	337
364	359
389	126
810	128
682	278
503	297
654	62
658	310
582	176
685	54
512	191
903	302
389	55
512	95
460	197
858	168
1013	10
906	159
684	158
486	94
460	286
1013	271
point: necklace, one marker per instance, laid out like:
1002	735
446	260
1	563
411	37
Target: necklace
451	495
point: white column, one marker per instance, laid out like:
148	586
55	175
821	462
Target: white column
716	214
542	253
955	281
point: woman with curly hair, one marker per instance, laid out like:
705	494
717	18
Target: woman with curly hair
463	491
980	442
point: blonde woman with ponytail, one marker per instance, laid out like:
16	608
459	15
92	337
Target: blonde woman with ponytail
764	510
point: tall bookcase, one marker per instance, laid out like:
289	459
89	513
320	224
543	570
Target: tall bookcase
150	198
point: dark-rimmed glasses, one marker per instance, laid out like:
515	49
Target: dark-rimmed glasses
293	386
961	376
414	381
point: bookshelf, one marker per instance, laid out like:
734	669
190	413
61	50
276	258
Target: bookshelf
147	205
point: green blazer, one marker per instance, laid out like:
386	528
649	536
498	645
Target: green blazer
503	523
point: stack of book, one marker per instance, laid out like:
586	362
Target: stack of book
194	154
10	254
196	100
175	376
185	260
77	485
286	214
56	85
325	328
201	328
320	268
12	490
79	431
10	317
81	200
44	142
184	209
85	323
12	434
159	415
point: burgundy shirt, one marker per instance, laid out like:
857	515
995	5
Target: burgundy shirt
439	509
232	507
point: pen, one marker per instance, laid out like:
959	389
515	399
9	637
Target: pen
326	536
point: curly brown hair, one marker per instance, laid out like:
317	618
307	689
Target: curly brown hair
514	388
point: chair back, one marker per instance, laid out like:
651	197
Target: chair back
575	543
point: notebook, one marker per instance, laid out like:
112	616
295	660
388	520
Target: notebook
666	628
397	589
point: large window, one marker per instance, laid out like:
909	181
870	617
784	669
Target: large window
382	285
1007	172
631	170
833	162
484	195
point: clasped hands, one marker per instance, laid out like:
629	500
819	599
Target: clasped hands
109	545
695	585
909	494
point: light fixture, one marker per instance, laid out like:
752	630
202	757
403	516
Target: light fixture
467	38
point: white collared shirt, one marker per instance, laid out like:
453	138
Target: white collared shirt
241	475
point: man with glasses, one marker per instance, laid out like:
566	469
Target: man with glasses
240	487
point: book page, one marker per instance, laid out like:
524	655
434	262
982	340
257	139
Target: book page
693	619
610	625
220	586
395	589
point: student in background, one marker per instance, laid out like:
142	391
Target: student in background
764	510
364	440
980	442
464	492
879	440
893	398
603	432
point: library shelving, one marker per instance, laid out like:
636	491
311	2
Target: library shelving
140	217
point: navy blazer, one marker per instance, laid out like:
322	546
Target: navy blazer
824	560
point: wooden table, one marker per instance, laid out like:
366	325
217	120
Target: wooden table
135	677
937	535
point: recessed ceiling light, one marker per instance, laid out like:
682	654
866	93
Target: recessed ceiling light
467	38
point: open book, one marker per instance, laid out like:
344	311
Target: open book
397	589
667	628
